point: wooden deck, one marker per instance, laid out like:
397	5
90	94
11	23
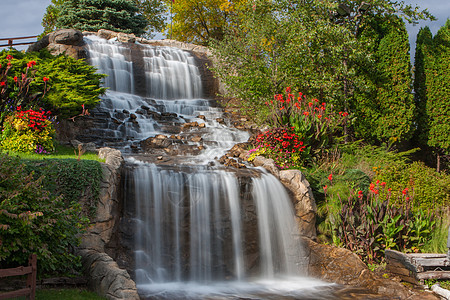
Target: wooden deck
417	267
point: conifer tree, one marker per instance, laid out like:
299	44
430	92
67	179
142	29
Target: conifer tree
393	94
438	91
92	15
422	60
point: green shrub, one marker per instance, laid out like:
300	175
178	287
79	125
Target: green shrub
33	221
429	188
78	181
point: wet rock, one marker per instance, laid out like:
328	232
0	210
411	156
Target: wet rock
145	107
140	111
133	117
169	115
201	117
116	121
189	125
125	112
159	142
220	120
197	139
202	125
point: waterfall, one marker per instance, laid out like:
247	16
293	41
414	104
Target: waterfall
198	230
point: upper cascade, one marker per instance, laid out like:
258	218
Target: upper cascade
169	73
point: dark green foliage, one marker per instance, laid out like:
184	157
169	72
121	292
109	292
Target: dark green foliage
33	221
422	58
92	15
438	90
384	109
394	98
71	84
78	181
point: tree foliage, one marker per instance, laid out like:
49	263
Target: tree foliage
92	15
385	111
200	21
432	87
152	10
296	43
438	91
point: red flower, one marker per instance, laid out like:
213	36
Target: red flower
15	78
383	184
31	63
9	57
2	83
405	191
288	90
360	194
325	188
330	177
306	113
45	79
319	116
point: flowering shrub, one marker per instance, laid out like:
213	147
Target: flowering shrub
28	131
15	90
282	145
315	123
302	128
368	224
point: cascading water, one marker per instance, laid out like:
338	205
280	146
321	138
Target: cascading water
199	231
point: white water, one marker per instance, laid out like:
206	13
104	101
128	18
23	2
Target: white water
192	221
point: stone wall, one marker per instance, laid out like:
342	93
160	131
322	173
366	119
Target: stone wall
104	275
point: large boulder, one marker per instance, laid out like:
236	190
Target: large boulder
66	37
341	266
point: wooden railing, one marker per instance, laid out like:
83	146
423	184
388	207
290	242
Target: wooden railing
30	270
10	41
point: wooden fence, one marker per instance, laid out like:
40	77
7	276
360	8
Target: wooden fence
11	41
30	270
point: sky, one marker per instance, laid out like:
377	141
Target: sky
23	17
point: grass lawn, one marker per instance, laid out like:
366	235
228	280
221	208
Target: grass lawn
66	294
61	152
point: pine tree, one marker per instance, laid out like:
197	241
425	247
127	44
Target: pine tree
92	15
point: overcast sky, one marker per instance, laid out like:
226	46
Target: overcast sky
23	17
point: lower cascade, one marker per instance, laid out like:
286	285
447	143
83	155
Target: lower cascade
196	230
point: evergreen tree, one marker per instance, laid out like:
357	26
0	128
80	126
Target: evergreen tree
92	15
394	97
422	59
438	91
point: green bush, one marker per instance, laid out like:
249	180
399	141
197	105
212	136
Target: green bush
429	188
33	221
78	181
